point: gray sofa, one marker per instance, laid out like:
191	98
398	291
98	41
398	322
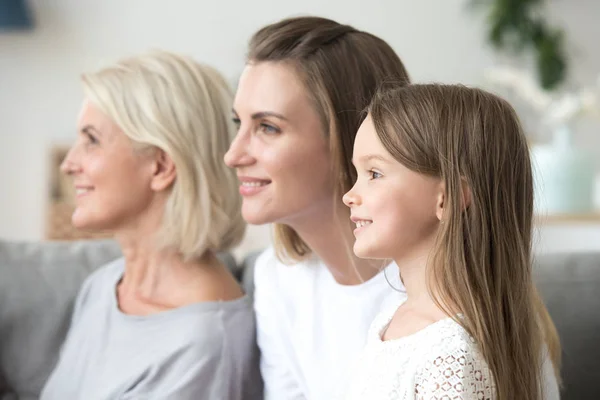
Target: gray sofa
39	281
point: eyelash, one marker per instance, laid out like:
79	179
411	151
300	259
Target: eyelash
269	129
91	139
372	174
263	127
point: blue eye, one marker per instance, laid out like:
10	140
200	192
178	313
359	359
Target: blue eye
374	174
268	129
236	121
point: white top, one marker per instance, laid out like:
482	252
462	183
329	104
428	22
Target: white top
199	351
441	361
310	328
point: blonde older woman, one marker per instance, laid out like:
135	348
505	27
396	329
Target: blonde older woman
168	320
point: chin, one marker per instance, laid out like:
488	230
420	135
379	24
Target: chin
86	223
368	252
361	251
255	218
256	214
79	221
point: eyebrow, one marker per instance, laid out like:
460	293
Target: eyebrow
89	129
370	157
264	114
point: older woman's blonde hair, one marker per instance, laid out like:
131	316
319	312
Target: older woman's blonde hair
170	102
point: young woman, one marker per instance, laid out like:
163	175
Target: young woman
445	189
298	106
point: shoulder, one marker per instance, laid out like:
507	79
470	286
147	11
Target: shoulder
270	271
382	320
109	271
265	263
215	319
206	328
452	358
448	340
97	290
103	278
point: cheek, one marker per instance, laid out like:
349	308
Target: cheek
300	168
95	167
124	179
402	208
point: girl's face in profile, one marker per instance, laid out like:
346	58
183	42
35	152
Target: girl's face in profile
395	209
281	152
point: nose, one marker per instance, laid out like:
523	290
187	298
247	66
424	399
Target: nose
70	165
351	198
239	151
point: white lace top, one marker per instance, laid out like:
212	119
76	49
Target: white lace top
440	362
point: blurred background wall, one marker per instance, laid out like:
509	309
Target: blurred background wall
40	95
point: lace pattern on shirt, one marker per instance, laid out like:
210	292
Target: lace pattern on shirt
440	362
454	374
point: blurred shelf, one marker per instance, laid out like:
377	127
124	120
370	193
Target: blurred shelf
556	219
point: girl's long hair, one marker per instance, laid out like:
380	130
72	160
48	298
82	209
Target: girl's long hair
481	266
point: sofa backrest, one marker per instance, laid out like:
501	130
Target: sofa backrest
39	282
570	287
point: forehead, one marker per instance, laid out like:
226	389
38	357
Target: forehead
87	111
367	141
269	86
90	114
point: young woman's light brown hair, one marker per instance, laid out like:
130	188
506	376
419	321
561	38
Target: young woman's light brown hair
341	68
481	266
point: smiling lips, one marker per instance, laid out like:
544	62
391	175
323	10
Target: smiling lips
251	186
361	224
82	190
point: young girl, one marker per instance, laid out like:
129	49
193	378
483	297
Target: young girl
445	189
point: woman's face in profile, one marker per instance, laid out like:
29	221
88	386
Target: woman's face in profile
281	152
112	179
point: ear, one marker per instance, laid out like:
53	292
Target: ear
441	199
440	203
164	172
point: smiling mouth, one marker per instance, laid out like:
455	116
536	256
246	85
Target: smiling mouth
255	183
82	191
252	187
362	223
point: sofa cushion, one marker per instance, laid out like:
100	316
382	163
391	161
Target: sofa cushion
569	285
38	285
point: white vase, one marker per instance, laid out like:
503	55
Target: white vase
563	175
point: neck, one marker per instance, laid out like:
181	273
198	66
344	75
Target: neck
414	278
151	271
329	235
413	268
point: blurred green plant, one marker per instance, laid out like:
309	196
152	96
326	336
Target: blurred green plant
519	26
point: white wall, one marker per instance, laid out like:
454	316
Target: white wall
439	40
